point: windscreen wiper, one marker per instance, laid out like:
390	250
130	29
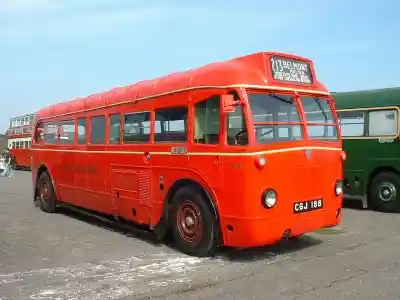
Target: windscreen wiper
281	99
316	99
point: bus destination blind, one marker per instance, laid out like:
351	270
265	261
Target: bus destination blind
291	70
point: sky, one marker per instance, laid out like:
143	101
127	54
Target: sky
55	50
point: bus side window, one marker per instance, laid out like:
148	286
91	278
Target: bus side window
50	133
82	125
137	127
237	128
352	123
383	123
171	125
115	129
66	130
207	121
98	130
39	136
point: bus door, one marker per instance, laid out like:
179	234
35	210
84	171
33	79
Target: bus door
207	127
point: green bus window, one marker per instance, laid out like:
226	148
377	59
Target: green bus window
382	123
351	122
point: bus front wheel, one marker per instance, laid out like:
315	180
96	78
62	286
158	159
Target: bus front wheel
46	193
193	223
385	192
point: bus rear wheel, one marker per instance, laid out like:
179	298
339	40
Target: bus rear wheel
385	192
46	193
193	223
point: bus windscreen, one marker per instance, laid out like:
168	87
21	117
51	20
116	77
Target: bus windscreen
319	117
275	118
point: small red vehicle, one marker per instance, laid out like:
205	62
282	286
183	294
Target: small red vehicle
239	153
20	140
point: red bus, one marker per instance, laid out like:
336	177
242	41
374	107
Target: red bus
20	139
239	153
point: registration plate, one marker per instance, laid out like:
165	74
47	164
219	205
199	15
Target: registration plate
304	206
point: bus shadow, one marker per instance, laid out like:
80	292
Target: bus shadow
225	253
109	224
269	252
353	204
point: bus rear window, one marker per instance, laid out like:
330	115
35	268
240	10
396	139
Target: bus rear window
275	118
319	117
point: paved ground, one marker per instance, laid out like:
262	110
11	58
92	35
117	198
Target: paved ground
68	256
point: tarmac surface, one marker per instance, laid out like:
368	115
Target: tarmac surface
72	256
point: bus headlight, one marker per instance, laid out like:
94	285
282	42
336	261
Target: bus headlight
269	198
338	187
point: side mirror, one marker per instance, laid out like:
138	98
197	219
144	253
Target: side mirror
229	103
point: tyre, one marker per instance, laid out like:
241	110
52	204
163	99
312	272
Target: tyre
46	193
193	223
384	192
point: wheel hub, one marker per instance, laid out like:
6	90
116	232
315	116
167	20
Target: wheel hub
387	192
189	222
44	191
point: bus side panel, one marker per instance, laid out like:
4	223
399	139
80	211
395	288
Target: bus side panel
44	156
22	157
97	172
65	173
172	168
355	177
81	195
131	192
361	164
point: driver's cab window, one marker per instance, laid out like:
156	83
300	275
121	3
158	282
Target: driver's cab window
237	128
207	122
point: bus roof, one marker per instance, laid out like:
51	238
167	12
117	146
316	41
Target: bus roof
246	71
367	98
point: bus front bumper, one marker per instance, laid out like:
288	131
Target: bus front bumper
254	232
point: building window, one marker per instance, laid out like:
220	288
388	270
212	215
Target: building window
115	129
171	125
137	127
98	130
207	122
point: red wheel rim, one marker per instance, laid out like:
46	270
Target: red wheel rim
189	222
44	191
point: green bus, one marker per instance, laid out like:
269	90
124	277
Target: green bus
369	122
